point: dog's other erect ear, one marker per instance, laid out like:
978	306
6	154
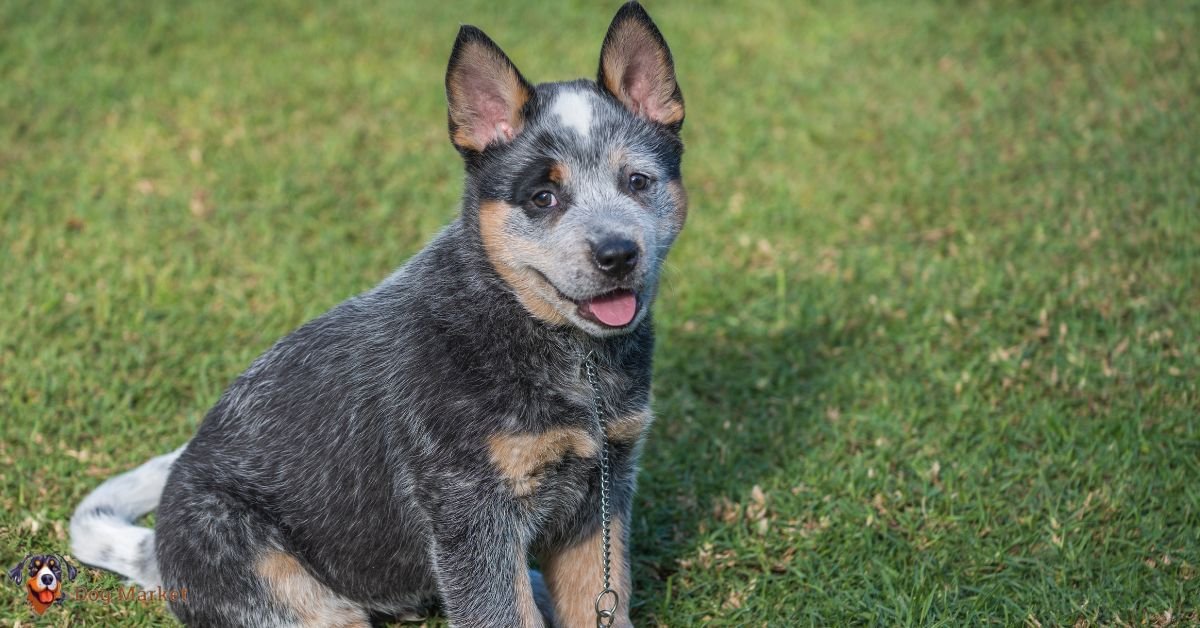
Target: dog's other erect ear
485	91
636	67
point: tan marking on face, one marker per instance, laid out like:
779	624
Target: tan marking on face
559	172
680	198
311	602
617	158
521	457
504	251
574	577
633	39
629	428
496	73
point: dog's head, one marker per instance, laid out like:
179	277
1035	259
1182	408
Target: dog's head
574	187
42	575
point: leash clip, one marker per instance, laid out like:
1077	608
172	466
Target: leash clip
607	615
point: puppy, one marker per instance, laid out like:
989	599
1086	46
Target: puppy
417	443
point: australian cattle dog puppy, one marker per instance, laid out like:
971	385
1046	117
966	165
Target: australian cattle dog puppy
416	444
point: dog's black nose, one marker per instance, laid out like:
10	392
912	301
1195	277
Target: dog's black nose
615	256
47	579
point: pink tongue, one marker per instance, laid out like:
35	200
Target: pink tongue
616	309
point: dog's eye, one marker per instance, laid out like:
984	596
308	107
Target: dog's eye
545	199
638	182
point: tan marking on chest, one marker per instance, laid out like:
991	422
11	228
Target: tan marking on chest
520	458
311	602
630	427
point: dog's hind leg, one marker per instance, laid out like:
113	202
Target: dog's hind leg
232	562
480	560
307	601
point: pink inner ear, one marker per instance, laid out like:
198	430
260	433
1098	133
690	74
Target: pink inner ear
640	91
638	72
493	119
492	102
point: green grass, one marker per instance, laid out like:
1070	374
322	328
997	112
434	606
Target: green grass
938	299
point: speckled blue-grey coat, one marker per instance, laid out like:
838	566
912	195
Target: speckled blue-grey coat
413	446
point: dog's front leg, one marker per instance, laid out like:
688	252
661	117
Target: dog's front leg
572	557
479	554
572	561
574	575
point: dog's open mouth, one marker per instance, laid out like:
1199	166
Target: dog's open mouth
613	309
45	596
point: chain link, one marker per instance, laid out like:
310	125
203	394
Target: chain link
605	615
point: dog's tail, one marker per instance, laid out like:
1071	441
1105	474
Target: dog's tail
103	533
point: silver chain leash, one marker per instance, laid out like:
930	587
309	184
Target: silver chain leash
605	615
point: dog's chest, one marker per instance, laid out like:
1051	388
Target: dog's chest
554	463
533	462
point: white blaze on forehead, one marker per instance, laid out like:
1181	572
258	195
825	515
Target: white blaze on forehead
574	111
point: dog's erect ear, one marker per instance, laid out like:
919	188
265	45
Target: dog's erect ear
17	572
636	67
485	91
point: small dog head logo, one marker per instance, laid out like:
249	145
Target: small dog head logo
42	577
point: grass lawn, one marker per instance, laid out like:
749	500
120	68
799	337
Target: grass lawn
929	346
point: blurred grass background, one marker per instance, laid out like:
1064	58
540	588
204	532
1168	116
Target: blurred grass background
928	346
